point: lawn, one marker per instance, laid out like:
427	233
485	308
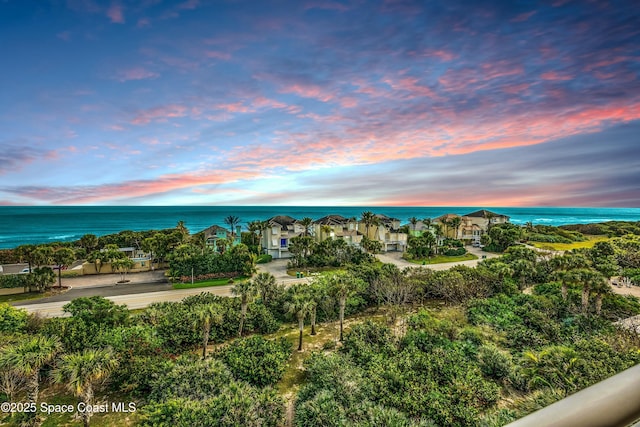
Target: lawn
441	259
206	283
591	240
23	296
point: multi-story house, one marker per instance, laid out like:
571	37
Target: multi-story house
337	227
215	233
471	226
475	224
276	238
386	231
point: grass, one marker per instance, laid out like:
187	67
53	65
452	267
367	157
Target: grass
589	243
23	296
309	270
441	259
206	283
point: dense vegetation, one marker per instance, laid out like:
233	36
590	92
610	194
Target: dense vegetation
414	347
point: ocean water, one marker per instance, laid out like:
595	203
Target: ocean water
44	224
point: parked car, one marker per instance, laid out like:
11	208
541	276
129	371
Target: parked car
24	270
64	267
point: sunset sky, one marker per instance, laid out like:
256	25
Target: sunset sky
320	102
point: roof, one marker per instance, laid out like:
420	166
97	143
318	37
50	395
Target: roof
447	217
483	213
332	220
384	218
283	221
214	229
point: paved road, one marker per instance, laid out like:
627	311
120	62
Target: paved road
140	292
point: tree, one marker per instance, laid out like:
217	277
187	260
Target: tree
245	290
369	219
27	358
600	288
122	265
588	278
42	255
455	222
26	253
205	316
81	372
183	231
232	221
264	284
504	235
43	277
325	231
63	257
343	285
89	242
306	223
413	221
370	245
298	305
316	294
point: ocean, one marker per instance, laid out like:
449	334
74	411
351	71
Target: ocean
44	224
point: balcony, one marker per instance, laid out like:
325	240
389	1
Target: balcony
614	402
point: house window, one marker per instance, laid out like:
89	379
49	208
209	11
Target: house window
283	243
142	263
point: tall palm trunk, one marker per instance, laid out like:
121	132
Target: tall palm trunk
243	314
312	315
564	290
343	303
33	387
87	398
585	299
206	330
301	326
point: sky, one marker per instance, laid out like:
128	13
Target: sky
320	102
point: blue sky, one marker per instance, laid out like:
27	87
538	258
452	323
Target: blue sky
389	102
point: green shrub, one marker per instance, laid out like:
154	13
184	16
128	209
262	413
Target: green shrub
455	252
15	280
493	362
264	258
12	319
256	360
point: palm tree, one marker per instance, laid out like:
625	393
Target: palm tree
368	218
42	255
326	230
254	227
299	306
232	221
81	372
490	216
122	265
316	293
245	290
342	286
413	221
27	358
206	315
306	224
600	287
62	257
455	223
89	242
264	283
588	277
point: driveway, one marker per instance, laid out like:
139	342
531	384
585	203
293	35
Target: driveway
396	258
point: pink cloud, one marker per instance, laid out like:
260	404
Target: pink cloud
159	114
308	91
115	13
188	5
143	23
137	73
555	76
524	16
217	55
326	5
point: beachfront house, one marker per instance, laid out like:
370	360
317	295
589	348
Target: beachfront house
337	227
475	224
215	233
469	227
386	231
277	236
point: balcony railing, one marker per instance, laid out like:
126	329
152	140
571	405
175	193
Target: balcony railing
614	402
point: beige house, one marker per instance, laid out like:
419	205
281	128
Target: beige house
386	232
337	227
472	225
276	238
